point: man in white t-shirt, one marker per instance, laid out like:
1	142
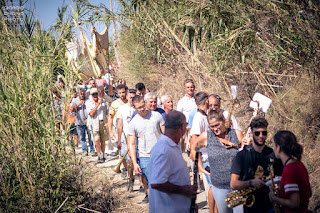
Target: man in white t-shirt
170	189
147	126
124	115
200	122
186	105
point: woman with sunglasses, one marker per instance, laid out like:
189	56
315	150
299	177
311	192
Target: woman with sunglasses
295	188
222	145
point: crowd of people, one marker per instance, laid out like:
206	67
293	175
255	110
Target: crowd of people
152	136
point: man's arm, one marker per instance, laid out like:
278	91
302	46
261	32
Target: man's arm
110	87
162	129
239	135
237	184
94	110
201	141
292	202
119	131
201	167
131	140
75	107
187	190
110	123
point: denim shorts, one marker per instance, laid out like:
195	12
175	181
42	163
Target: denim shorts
124	149
144	165
207	168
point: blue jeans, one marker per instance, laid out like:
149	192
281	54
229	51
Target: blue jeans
81	130
206	165
124	149
144	165
219	196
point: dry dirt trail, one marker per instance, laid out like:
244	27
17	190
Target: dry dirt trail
98	173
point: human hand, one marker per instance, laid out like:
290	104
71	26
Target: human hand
257	182
246	140
206	172
137	169
192	155
100	101
271	194
80	102
112	136
119	145
190	190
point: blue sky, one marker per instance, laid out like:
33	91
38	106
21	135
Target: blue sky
46	10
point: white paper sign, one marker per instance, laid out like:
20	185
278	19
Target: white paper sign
264	102
234	91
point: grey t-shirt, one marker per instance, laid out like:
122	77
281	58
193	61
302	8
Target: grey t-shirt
81	113
147	130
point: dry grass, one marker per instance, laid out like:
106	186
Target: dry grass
295	106
269	47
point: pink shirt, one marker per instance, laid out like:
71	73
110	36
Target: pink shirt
101	82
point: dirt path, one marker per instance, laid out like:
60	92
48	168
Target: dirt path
130	202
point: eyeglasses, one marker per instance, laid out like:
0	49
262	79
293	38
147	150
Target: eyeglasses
215	126
257	133
94	94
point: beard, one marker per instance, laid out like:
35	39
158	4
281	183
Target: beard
256	142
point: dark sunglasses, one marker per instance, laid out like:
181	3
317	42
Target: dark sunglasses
94	93
257	133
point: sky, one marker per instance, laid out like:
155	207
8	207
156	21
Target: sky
47	11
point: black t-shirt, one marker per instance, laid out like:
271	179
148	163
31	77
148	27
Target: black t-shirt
250	164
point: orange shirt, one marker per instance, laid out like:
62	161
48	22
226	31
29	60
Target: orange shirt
71	116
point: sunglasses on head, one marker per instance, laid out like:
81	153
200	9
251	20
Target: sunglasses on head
257	133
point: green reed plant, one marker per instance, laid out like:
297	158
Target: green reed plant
34	174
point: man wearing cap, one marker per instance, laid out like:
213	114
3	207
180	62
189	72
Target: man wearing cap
97	110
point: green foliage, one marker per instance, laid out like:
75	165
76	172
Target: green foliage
34	175
266	46
36	172
229	34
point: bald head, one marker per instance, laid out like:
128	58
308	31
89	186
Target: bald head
175	120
